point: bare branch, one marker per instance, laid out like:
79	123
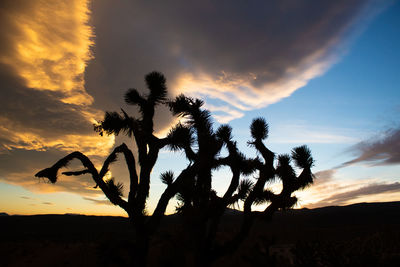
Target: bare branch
51	174
76	173
169	193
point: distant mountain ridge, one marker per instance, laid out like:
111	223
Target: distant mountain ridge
352	207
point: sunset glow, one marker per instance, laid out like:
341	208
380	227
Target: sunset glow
329	80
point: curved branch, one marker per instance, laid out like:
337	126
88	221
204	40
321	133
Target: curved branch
130	163
267	154
76	173
235	163
232	186
169	193
51	174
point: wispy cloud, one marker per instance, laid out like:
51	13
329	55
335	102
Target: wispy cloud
224	114
331	189
352	195
44	52
304	133
45	109
383	150
47	45
98	201
323	177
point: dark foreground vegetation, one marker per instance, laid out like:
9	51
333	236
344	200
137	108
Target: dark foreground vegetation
355	235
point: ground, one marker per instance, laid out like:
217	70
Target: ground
356	235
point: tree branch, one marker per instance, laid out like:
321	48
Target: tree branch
169	193
51	174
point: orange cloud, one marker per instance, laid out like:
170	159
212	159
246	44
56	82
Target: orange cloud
45	111
242	92
47	47
51	47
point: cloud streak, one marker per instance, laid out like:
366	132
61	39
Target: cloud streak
97	201
329	189
295	132
370	189
323	177
384	150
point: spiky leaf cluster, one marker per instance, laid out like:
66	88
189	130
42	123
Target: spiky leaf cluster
180	137
244	188
224	132
156	83
183	106
264	197
133	97
167	177
49	173
115	188
115	123
284	170
302	157
190	109
259	129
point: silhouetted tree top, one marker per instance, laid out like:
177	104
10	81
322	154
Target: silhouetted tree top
201	144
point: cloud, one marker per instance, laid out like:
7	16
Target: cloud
224	114
47	45
24	197
98	201
370	189
47	203
45	110
36	120
383	150
44	52
245	54
331	189
323	177
295	132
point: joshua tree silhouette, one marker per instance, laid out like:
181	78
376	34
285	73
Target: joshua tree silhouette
199	204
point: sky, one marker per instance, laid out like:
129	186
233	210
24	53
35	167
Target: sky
322	73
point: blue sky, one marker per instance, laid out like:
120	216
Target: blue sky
329	82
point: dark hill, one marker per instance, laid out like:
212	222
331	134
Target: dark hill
344	235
